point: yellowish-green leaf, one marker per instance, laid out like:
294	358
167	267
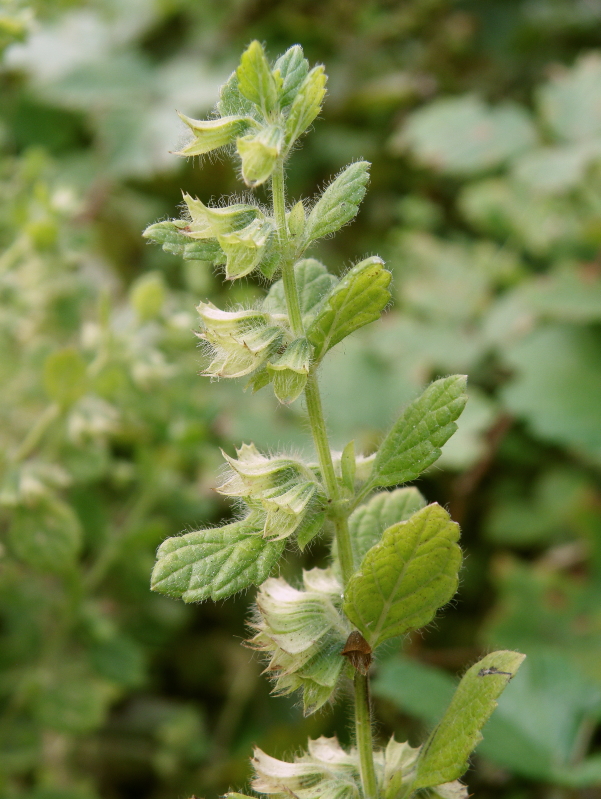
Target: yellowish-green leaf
355	301
255	79
405	578
368	522
444	757
306	105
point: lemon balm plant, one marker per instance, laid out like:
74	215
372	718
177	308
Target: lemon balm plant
394	559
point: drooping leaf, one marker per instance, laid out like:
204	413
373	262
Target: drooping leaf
425	425
405	578
255	79
306	104
355	301
368	522
340	201
293	68
313	282
444	757
215	563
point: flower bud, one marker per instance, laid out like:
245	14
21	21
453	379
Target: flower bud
240	341
245	248
303	632
289	372
259	153
286	488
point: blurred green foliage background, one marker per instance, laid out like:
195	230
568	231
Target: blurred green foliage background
483	123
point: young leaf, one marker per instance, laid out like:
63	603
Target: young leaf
313	282
405	578
306	105
217	562
232	102
293	68
355	301
444	757
425	425
340	201
369	521
255	79
210	134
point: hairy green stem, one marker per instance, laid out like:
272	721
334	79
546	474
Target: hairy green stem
320	439
288	277
363	735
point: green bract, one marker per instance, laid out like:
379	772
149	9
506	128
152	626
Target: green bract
395	561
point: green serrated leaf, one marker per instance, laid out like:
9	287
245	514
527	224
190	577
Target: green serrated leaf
306	105
215	563
65	376
255	79
355	301
340	201
368	522
444	757
405	578
425	425
293	68
210	134
313	282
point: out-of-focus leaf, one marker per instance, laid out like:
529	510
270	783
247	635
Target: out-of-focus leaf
464	136
557	384
46	536
571	102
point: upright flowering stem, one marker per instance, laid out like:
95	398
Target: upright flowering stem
400	564
340	515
